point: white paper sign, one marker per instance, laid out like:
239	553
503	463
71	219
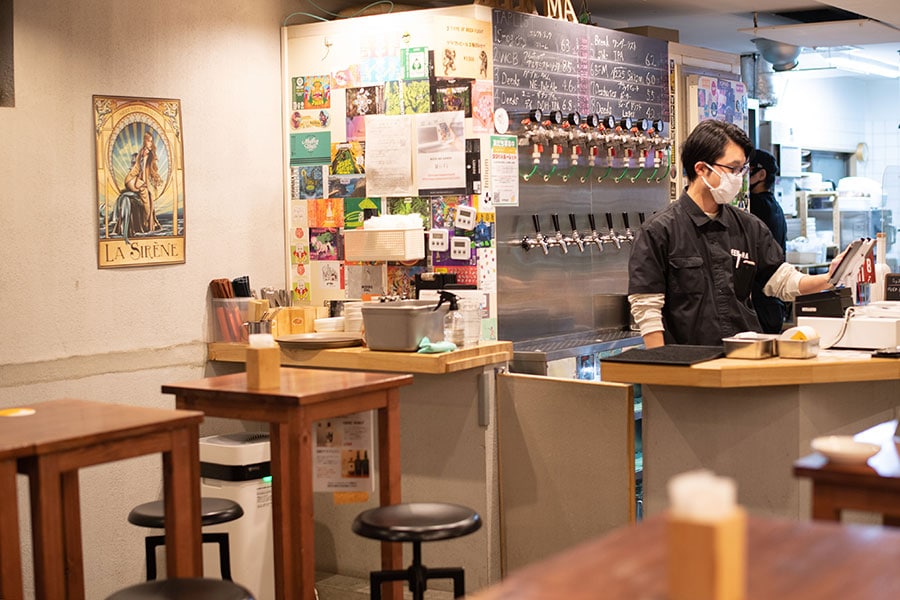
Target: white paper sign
504	170
344	460
389	155
440	153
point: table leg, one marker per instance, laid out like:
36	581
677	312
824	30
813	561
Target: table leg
45	483
389	483
71	514
10	557
286	471
824	506
181	476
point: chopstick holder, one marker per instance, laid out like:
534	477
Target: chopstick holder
706	548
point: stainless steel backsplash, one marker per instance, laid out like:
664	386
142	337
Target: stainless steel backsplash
557	294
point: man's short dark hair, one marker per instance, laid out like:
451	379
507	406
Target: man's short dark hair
707	142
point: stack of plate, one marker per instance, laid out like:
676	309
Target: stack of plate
329	324
353	320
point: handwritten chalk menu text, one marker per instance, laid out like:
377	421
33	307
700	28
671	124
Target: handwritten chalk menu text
551	64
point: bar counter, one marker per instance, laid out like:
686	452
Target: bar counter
448	450
751	419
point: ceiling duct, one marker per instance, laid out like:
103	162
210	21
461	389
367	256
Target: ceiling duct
757	76
783	57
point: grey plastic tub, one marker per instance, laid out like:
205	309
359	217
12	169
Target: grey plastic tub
401	325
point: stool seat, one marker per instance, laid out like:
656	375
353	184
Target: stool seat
417	522
213	511
184	589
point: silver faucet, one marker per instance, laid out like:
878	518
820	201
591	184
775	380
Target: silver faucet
611	235
594	237
576	237
558	238
538	240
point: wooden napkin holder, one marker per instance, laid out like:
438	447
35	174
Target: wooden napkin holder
264	368
707	561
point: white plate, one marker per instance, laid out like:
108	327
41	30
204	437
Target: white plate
843	449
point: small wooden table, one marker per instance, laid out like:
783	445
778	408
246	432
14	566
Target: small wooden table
873	487
800	560
305	396
65	435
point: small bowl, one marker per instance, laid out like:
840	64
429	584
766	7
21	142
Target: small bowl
844	450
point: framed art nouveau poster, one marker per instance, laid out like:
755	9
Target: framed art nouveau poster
140	181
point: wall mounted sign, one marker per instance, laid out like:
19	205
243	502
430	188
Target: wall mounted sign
140	181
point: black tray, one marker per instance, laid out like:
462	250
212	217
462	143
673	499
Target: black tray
672	354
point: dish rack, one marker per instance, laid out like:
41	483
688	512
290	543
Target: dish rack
384	244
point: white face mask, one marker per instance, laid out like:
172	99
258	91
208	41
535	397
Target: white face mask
729	186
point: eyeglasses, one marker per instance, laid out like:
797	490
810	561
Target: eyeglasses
742	170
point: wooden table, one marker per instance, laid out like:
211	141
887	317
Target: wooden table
305	396
786	559
751	419
65	435
873	487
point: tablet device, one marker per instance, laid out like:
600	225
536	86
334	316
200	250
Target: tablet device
853	259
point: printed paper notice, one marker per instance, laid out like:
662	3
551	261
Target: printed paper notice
504	169
388	155
343	460
440	153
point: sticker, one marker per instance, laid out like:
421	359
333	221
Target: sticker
16	412
501	120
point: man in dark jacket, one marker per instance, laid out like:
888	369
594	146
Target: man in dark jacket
763	169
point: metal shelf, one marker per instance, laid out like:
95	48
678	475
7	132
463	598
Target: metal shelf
803	212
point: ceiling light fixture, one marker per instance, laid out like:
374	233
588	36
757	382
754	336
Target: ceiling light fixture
782	56
864	67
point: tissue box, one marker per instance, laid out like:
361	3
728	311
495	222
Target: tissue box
384	244
707	561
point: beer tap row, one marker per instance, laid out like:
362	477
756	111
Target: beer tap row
621	149
593	237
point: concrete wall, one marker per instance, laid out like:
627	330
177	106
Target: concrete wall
71	330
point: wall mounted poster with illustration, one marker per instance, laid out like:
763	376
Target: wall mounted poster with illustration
140	181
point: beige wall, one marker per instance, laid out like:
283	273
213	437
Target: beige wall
72	330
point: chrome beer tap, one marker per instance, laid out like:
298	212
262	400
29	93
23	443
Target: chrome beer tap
538	240
558	238
594	237
628	236
611	235
576	237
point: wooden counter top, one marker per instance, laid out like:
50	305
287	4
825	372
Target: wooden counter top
733	372
359	358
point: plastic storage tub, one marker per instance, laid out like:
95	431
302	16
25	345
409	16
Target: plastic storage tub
401	325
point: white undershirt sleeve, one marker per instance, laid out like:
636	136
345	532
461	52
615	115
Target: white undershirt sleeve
784	283
647	311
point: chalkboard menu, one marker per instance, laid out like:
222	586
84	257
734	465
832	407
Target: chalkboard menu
551	64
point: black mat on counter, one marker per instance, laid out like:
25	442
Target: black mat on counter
669	355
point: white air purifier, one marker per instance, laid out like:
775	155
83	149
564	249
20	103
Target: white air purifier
237	466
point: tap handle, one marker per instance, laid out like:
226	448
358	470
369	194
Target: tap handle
609	221
641	218
592	222
555	218
572	221
537	222
625	220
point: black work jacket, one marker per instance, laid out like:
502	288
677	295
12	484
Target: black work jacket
705	268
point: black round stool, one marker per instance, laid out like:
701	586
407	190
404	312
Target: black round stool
214	511
417	522
184	589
